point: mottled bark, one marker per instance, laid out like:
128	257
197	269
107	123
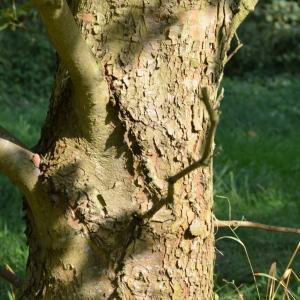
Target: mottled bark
109	148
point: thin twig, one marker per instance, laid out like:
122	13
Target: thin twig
249	224
158	205
235	51
7	274
202	162
209	143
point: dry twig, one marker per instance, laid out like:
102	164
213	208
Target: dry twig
249	224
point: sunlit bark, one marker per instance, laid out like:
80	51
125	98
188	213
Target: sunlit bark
127	113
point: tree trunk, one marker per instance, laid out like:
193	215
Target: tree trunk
97	226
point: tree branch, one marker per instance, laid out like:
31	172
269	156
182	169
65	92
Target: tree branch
18	163
7	274
69	43
89	83
239	12
249	224
244	8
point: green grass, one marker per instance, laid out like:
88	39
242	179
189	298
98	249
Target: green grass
257	165
257	174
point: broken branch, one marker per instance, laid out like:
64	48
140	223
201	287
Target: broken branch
16	162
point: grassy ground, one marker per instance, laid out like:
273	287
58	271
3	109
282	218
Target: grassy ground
258	173
257	162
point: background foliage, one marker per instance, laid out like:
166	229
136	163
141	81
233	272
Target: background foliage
272	40
257	165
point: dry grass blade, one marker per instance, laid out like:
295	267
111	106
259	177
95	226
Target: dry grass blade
271	281
280	283
237	239
286	276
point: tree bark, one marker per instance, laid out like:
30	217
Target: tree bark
111	141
